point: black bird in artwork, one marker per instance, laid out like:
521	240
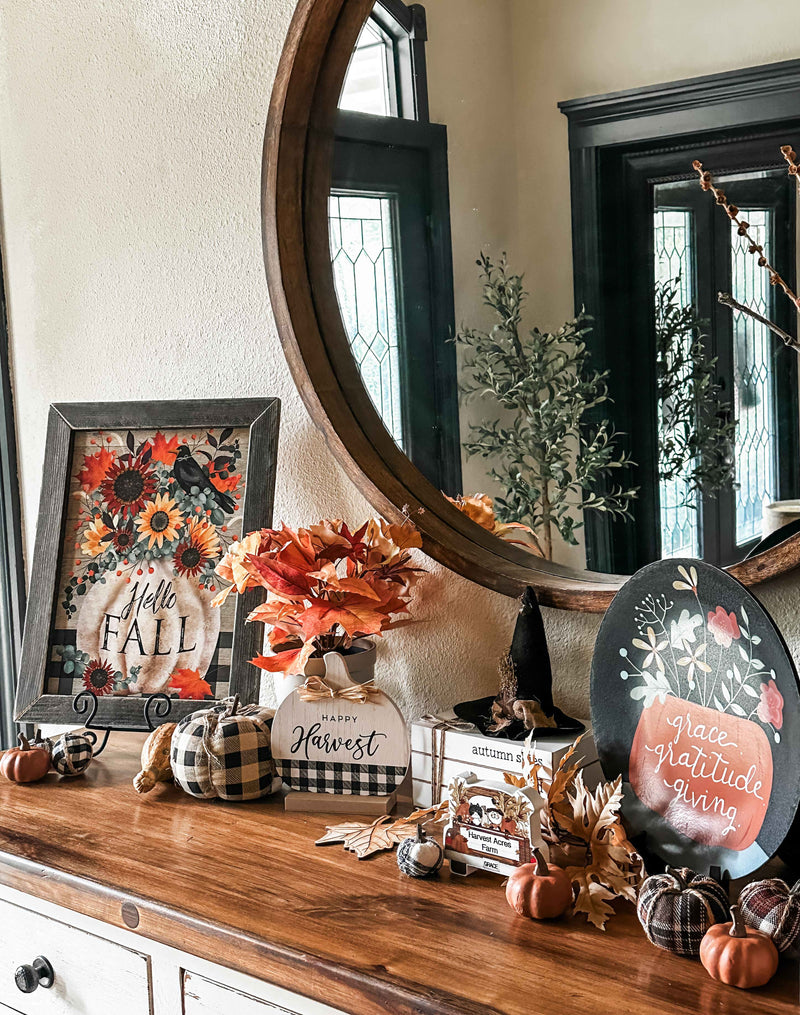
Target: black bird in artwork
189	473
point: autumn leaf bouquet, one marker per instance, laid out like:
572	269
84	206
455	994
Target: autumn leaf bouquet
326	586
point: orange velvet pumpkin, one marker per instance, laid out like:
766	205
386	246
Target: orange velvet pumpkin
26	763
538	891
737	954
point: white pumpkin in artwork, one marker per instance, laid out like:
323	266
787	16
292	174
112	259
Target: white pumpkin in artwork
158	621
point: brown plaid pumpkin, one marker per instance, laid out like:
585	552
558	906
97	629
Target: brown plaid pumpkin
772	907
677	908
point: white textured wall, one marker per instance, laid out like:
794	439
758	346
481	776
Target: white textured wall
130	149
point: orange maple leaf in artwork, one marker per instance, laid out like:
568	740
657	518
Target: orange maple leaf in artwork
226	485
94	469
163	449
189	684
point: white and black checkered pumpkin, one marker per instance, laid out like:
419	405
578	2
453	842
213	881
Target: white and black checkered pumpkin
678	907
772	907
420	857
224	751
72	753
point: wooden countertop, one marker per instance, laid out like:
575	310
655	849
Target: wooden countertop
243	885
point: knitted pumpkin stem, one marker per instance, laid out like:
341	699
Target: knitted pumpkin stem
738	927
421	833
541	864
234	706
673	872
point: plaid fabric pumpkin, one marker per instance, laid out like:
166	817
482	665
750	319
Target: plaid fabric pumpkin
71	754
678	907
772	907
224	751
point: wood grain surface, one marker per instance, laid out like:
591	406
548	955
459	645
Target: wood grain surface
244	886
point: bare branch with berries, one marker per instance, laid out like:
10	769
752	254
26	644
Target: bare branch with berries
754	248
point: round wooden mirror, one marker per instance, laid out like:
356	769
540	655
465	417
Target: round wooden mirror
303	159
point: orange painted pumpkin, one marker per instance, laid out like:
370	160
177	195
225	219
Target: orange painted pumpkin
26	763
538	891
719	796
738	955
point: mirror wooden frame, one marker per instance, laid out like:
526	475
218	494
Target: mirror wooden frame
296	172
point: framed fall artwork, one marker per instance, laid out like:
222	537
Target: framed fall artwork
139	502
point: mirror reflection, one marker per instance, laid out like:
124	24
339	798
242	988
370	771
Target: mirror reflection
558	319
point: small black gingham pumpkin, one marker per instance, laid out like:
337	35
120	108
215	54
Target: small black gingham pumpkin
772	907
420	857
72	753
678	907
224	751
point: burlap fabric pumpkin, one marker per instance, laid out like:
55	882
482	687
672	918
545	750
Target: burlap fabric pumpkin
224	751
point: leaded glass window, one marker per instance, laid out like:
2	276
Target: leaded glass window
364	272
753	347
673	259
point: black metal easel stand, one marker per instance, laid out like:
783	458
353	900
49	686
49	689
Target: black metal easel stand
156	706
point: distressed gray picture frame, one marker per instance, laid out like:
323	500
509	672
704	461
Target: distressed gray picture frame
261	416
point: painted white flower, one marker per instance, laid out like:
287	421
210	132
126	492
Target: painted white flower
689	583
653	647
654	687
681	631
695	663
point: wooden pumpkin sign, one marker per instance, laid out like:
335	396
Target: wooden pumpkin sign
492	826
334	736
695	702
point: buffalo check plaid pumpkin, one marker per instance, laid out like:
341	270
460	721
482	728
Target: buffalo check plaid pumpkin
224	751
71	753
677	908
772	907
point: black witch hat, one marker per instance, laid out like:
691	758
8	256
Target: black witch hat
524	703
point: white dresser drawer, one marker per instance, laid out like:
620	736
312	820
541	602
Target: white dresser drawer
202	996
92	976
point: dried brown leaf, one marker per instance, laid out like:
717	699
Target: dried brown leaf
615	869
338	833
427	815
377	837
365	839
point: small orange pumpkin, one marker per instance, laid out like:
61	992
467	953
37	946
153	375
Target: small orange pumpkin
538	891
737	954
26	763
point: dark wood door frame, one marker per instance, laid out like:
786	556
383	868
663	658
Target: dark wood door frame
619	147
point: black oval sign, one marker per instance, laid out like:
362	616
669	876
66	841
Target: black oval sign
695	703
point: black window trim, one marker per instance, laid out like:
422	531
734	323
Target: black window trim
608	135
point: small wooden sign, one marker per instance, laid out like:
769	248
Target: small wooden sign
336	745
492	826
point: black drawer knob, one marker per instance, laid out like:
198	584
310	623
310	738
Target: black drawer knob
38	974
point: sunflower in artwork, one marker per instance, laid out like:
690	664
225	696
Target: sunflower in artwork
124	539
95	538
160	520
98	677
128	486
194	553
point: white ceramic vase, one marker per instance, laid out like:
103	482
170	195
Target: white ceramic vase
360	664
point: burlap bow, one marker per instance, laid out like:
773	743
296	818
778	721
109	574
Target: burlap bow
315	689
